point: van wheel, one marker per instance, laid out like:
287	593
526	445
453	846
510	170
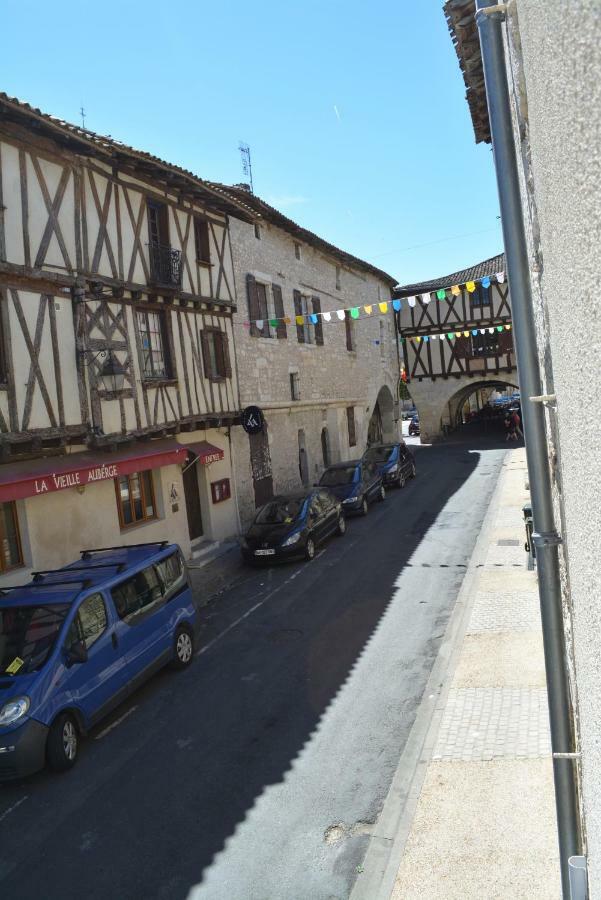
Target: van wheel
183	648
62	744
341	526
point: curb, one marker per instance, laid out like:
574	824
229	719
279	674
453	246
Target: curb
386	845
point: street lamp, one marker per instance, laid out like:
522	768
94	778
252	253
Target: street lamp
112	374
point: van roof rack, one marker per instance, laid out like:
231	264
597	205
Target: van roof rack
84	582
86	553
37	576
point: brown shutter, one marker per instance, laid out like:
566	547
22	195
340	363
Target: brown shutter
349	330
218	340
505	342
253	304
463	347
278	305
350	420
226	355
206	356
298	311
316	302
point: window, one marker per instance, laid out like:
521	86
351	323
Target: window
337	278
325	446
172	575
3	353
153	340
28	635
90	622
158	222
11	556
257	231
485	344
294	386
480	297
135	498
201	240
138	595
350	423
349	326
215	354
297	250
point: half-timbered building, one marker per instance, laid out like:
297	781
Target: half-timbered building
118	388
456	338
326	382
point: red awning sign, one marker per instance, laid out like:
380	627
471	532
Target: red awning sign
205	453
35	477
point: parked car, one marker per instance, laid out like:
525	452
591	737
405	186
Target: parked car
408	413
395	462
414	425
76	641
292	526
356	483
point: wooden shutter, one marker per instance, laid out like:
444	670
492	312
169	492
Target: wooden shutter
298	311
349	330
226	355
505	342
253	304
206	356
278	305
463	347
350	421
316	302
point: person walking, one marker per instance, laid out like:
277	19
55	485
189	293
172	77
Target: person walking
517	424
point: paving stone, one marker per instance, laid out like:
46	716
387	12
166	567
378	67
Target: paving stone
511	611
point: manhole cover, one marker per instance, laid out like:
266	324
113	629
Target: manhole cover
508	543
284	634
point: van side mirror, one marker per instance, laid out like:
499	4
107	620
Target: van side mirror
77	653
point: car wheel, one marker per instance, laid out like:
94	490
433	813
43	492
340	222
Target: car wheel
62	744
402	480
309	549
341	526
382	493
364	507
413	470
183	648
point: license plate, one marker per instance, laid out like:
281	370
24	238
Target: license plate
264	552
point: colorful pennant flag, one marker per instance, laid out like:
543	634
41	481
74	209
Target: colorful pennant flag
411	301
426	297
485	282
383	307
368	309
327	317
396	305
471	286
500	276
355	312
340	314
441	294
455	290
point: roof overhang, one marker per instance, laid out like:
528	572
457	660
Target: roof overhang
461	19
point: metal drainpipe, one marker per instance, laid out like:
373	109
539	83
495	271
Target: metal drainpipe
490	18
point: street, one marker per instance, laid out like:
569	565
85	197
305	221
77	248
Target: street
260	771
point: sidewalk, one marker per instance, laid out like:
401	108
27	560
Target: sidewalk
480	818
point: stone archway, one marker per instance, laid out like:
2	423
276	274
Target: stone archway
382	426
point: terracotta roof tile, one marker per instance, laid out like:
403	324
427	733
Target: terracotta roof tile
474	273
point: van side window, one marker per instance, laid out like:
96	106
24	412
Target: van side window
89	623
172	574
140	594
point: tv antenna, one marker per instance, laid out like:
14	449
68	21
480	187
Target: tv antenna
246	164
82	113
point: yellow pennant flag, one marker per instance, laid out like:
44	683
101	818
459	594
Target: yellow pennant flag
383	307
456	290
368	309
471	286
466	334
299	320
457	334
418	339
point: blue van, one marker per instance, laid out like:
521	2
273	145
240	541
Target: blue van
76	641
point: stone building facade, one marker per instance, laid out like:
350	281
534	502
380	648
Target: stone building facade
324	389
554	80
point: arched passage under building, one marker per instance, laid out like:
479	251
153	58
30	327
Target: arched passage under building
441	403
382	425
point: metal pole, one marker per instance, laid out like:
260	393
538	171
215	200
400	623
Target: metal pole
490	18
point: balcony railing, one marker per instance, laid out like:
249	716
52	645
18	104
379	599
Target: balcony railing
165	265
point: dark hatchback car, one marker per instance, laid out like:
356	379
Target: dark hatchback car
395	462
291	526
414	425
355	483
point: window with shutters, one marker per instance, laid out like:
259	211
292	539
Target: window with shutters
257	231
297	250
480	297
215	353
350	423
201	241
307	326
485	344
11	556
3	350
154	344
349	327
337	278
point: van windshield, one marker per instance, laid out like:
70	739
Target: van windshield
28	635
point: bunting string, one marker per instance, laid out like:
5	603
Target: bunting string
382	307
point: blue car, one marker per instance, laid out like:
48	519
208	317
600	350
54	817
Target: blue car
356	483
76	641
395	462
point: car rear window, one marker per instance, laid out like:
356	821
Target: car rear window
280	511
138	595
172	574
343	475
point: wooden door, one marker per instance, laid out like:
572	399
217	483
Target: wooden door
192	496
260	461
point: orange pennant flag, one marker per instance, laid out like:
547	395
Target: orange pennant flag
456	290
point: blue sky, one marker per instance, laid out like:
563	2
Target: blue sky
354	112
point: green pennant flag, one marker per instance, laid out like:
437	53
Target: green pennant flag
273	323
355	312
441	294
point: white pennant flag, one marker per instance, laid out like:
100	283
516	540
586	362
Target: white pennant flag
491	330
327	317
340	314
411	301
500	276
426	297
259	324
483	331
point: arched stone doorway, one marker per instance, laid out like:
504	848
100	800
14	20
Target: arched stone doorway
382	426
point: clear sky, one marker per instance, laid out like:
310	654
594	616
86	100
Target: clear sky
354	111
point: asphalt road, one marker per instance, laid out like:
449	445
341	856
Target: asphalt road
258	773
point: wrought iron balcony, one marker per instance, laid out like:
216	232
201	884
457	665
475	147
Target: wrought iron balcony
165	265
